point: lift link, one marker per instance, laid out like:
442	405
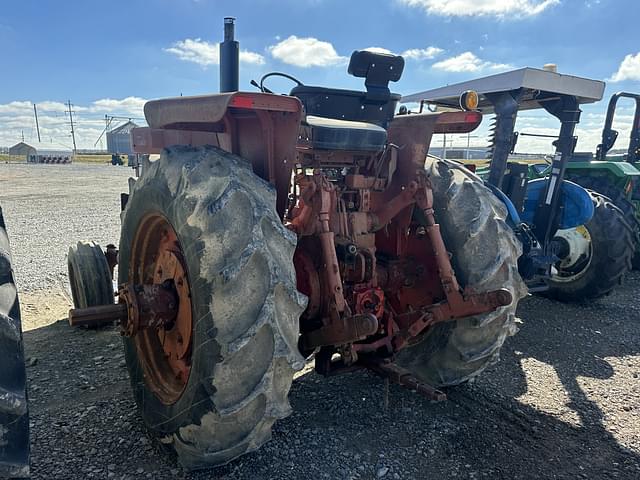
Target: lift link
458	303
140	307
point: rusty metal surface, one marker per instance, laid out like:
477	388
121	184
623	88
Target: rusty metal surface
341	331
261	128
111	253
345	222
415	287
140	307
186	112
153	140
162	332
97	316
148	306
412	324
457	122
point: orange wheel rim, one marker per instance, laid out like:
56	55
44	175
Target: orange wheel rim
164	353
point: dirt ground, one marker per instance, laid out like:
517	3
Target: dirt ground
563	402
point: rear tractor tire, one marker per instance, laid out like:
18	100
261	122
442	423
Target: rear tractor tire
14	415
604	187
485	257
89	276
599	256
215	394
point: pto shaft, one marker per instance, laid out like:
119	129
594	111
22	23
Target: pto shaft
96	316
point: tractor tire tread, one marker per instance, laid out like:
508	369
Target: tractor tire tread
604	187
245	267
14	414
89	275
485	255
613	237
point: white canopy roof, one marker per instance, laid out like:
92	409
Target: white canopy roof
533	80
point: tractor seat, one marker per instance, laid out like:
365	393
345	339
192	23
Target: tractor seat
330	134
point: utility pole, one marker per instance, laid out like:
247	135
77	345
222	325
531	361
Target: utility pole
73	133
469	137
106	130
35	112
22	131
444	146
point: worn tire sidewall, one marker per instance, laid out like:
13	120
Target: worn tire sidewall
155	196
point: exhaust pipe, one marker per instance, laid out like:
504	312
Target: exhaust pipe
229	58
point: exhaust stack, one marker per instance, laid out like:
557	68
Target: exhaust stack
229	58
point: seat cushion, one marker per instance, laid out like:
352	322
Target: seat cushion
331	134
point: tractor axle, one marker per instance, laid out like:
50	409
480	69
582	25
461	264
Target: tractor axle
140	307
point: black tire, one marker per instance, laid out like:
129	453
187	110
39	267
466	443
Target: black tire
14	414
239	261
89	276
603	186
485	257
612	248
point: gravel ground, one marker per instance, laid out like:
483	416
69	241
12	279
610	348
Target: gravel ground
564	401
49	207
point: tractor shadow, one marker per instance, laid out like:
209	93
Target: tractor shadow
580	343
529	416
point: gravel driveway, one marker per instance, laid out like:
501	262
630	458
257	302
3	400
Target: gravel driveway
564	401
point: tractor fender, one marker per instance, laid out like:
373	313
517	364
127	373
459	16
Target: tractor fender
576	203
617	169
513	219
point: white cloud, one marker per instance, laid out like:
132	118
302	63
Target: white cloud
306	52
495	8
251	57
467	62
206	53
15	107
422	53
47	106
412	53
196	51
379	50
16	119
629	69
129	105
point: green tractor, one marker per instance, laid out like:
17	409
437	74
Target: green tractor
616	176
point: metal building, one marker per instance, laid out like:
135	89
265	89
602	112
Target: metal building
51	156
119	139
22	150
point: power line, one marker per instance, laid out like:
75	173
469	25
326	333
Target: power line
107	122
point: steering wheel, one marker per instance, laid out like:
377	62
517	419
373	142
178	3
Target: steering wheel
264	89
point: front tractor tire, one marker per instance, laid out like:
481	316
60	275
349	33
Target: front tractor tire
220	399
485	255
596	256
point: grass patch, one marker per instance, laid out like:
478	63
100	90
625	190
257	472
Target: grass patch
98	159
6	158
94	159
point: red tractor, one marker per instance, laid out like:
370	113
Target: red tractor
279	228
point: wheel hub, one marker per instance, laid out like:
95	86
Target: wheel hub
148	306
163	343
576	253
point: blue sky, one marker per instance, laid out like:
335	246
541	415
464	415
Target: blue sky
109	57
